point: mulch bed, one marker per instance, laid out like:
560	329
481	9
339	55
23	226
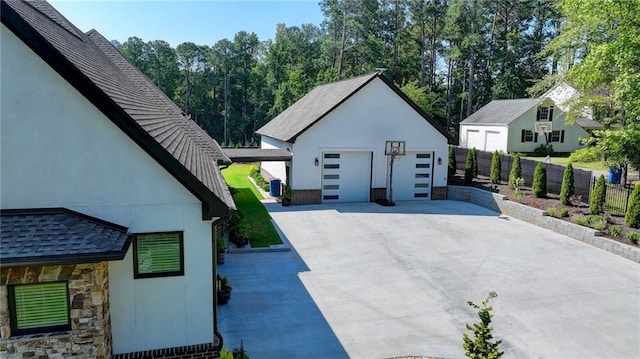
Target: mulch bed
550	201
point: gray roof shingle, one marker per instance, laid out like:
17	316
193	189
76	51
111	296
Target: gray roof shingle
101	73
58	236
258	154
322	100
501	112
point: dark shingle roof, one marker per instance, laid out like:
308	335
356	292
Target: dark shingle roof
100	72
322	100
588	123
501	112
258	154
58	236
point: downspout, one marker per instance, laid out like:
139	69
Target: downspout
214	272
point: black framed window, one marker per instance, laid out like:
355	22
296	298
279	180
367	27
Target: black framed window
39	308
158	255
526	136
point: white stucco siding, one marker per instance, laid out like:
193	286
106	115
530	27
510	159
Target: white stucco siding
485	137
57	150
363	123
275	168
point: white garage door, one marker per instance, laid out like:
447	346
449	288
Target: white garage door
346	176
474	140
412	176
492	142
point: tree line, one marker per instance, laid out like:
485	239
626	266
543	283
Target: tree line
450	56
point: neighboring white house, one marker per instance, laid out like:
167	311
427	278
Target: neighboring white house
510	125
109	195
337	135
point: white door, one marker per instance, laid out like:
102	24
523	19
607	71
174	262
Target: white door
346	176
412	176
474	140
492	142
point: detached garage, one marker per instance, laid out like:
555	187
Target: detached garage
337	135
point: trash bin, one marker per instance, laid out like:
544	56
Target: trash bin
614	175
274	187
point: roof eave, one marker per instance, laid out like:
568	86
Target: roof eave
111	110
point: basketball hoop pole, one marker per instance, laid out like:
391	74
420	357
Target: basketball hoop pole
393	157
393	149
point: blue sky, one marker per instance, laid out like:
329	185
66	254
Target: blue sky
203	22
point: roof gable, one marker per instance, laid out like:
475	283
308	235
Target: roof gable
321	101
116	88
501	112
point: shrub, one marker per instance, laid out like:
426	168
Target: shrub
598	196
615	231
496	168
587	154
516	171
632	217
600	224
553	212
475	162
634	237
539	186
566	191
468	167
452	161
482	344
544	150
564	212
581	220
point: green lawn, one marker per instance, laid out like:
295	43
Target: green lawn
596	166
247	199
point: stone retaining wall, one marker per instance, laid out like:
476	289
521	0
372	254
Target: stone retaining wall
499	203
208	350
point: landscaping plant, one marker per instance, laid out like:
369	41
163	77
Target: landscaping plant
632	217
468	167
567	188
496	168
598	196
482	345
474	157
516	172
633	237
539	186
452	161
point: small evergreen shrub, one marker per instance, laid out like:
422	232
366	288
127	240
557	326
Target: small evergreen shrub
468	167
482	345
634	237
516	172
567	188
496	168
615	231
452	161
564	212
539	186
598	196
474	165
632	217
544	150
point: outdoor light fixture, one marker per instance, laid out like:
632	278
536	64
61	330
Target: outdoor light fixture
316	162
439	161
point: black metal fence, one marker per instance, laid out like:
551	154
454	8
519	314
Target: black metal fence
617	197
582	178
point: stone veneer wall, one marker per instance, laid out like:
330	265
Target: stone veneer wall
439	193
306	196
500	203
377	194
90	335
208	350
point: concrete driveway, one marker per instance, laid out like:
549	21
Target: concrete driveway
394	281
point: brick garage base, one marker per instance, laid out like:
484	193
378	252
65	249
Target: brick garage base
208	350
439	193
306	196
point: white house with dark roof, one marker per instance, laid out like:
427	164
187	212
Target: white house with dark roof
109	198
337	135
511	125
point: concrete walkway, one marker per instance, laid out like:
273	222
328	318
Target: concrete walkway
394	281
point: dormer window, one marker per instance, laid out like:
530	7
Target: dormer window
545	113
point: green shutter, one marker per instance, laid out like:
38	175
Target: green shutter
158	253
41	305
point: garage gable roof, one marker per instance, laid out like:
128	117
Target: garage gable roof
318	103
501	112
124	95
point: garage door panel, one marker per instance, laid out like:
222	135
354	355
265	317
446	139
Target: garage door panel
474	140
346	176
412	176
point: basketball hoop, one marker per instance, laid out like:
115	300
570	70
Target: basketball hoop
394	148
543	127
